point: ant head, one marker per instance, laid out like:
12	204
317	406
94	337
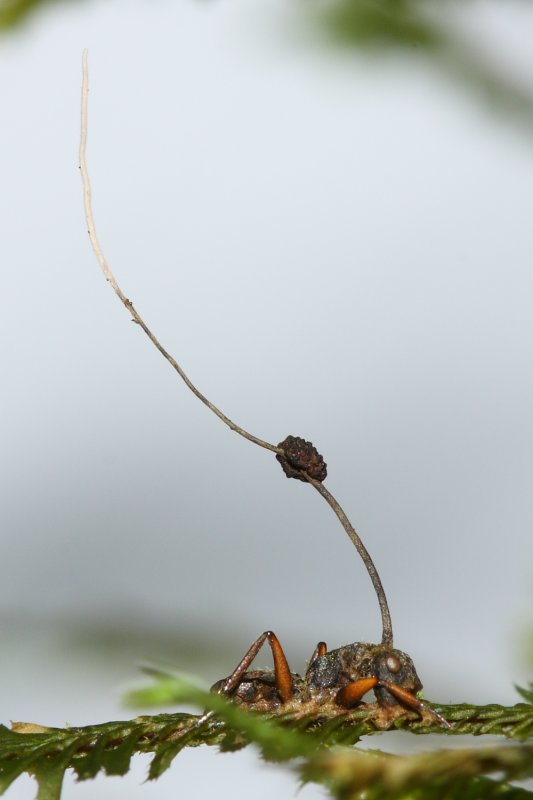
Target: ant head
396	667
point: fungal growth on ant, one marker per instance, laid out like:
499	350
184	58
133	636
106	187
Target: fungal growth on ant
342	676
339	677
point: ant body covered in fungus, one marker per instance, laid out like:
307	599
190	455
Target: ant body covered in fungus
342	676
338	677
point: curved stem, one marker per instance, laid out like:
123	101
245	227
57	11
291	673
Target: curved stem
110	278
365	555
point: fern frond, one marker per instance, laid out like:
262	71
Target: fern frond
46	753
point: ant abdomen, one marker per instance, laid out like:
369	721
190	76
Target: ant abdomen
257	689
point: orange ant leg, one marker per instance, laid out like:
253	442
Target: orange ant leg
282	676
350	694
282	673
320	650
411	701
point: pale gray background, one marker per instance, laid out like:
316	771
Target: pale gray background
333	247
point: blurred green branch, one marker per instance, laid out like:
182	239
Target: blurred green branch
381	23
421	29
14	12
439	774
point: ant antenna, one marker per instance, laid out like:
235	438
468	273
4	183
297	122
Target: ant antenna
298	458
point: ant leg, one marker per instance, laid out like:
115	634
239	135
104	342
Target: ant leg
320	650
350	694
282	676
282	673
411	701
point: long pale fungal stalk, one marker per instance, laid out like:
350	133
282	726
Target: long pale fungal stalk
298	457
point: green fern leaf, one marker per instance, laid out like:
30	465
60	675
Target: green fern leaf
527	694
321	739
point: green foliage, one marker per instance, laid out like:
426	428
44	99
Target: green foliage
527	694
12	12
319	744
382	22
440	774
421	28
416	27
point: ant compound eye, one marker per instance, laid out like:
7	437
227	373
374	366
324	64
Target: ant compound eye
393	663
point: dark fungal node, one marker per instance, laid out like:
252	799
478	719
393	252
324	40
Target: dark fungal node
300	456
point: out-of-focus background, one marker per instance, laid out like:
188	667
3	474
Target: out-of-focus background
336	243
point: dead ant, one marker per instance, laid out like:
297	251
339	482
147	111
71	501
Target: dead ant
340	677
